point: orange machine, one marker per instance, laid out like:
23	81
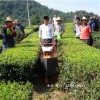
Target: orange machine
48	60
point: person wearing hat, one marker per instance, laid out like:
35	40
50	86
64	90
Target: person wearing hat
85	31
92	24
20	33
20	29
8	34
59	28
46	32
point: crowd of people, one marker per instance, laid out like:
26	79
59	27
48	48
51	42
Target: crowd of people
10	31
51	30
84	27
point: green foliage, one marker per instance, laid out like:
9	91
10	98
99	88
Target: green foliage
19	62
15	91
96	37
30	30
18	10
80	70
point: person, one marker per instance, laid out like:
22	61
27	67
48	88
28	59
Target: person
55	19
77	28
50	20
85	31
92	24
96	23
46	32
74	20
59	28
20	30
8	34
19	33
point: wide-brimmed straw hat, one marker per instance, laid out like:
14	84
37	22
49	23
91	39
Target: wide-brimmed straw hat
58	18
8	19
84	18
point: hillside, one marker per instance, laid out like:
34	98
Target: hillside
18	10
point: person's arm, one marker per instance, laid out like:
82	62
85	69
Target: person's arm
62	29
13	33
74	28
53	21
90	31
52	32
4	33
40	35
80	29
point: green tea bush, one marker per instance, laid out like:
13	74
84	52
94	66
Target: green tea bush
96	37
19	62
30	30
80	70
15	91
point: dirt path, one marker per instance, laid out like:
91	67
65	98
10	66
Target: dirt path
49	92
54	95
42	91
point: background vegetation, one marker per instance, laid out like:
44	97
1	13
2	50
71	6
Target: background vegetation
18	10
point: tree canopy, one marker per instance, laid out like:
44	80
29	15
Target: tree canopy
18	10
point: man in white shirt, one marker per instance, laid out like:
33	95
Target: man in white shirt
77	27
46	31
55	20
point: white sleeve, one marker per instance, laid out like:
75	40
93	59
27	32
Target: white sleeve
40	31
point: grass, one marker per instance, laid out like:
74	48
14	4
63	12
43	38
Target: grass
80	70
15	91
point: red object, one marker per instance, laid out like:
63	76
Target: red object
48	52
12	31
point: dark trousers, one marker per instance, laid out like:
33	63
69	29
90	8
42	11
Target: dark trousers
87	41
44	41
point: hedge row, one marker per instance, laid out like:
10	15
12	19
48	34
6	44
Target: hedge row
20	61
33	28
28	30
80	70
96	37
15	91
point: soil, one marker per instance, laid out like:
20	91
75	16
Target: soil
43	91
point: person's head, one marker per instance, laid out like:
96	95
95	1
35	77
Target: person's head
84	20
46	20
59	20
55	15
13	23
77	20
9	21
16	22
91	19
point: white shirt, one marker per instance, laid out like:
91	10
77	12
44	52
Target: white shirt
55	20
46	31
77	29
59	28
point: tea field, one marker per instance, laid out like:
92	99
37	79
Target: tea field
79	66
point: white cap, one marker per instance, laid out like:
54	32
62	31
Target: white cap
58	18
84	18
